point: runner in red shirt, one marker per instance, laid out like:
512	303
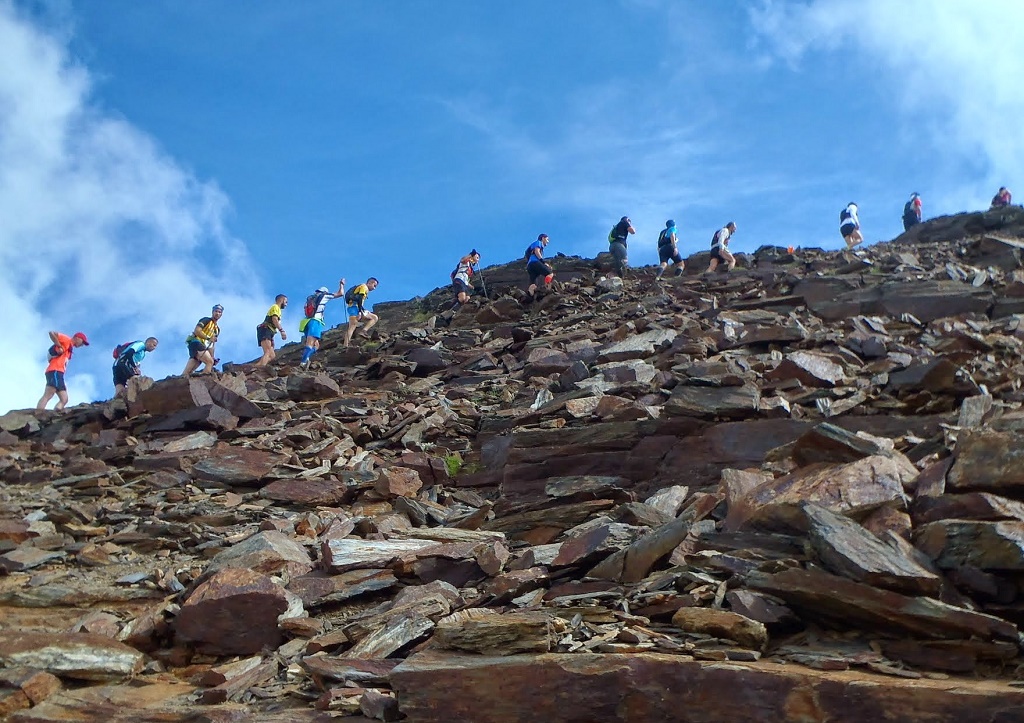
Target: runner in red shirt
60	352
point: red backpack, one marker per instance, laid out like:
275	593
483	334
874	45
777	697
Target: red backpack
119	349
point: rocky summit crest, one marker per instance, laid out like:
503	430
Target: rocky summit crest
729	496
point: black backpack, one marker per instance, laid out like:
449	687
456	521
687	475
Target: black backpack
350	298
909	214
844	215
664	238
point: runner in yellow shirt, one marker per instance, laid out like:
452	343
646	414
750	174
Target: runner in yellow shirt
270	326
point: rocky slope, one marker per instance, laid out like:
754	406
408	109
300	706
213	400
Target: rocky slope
795	491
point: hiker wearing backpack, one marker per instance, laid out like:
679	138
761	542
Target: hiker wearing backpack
536	269
312	326
617	244
849	226
720	248
356	313
462	277
270	326
668	250
127	358
60	351
912	212
202	343
1002	199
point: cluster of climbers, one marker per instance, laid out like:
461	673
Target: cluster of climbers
201	343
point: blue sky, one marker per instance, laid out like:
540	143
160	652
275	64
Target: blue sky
159	157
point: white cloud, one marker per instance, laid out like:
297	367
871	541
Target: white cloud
952	68
101	231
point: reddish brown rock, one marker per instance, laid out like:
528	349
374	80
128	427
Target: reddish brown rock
821	596
237	466
174	394
235	612
305	387
853	489
847	549
980	544
988	460
398	482
722	624
327	492
268	552
446	687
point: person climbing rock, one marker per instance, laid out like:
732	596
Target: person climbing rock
1002	198
266	330
617	244
60	351
202	343
354	299
668	250
313	325
128	358
912	212
536	268
462	277
849	226
720	248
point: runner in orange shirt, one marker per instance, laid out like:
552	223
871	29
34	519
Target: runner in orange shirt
60	352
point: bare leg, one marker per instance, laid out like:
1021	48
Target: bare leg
353	324
268	353
62	400
47	396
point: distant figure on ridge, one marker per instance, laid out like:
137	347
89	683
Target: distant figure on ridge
1002	199
668	250
202	343
270	326
60	352
617	244
462	277
912	212
354	300
312	326
720	248
536	269
849	226
127	358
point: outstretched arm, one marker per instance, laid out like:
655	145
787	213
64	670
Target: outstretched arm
341	288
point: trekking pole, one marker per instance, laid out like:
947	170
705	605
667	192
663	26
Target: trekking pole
483	281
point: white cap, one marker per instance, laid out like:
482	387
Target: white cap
323	290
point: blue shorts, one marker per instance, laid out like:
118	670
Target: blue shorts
353	311
56	380
314	328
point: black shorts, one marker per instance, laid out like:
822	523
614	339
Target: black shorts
461	287
537	270
264	333
847	228
716	254
669	253
122	373
56	380
195	348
